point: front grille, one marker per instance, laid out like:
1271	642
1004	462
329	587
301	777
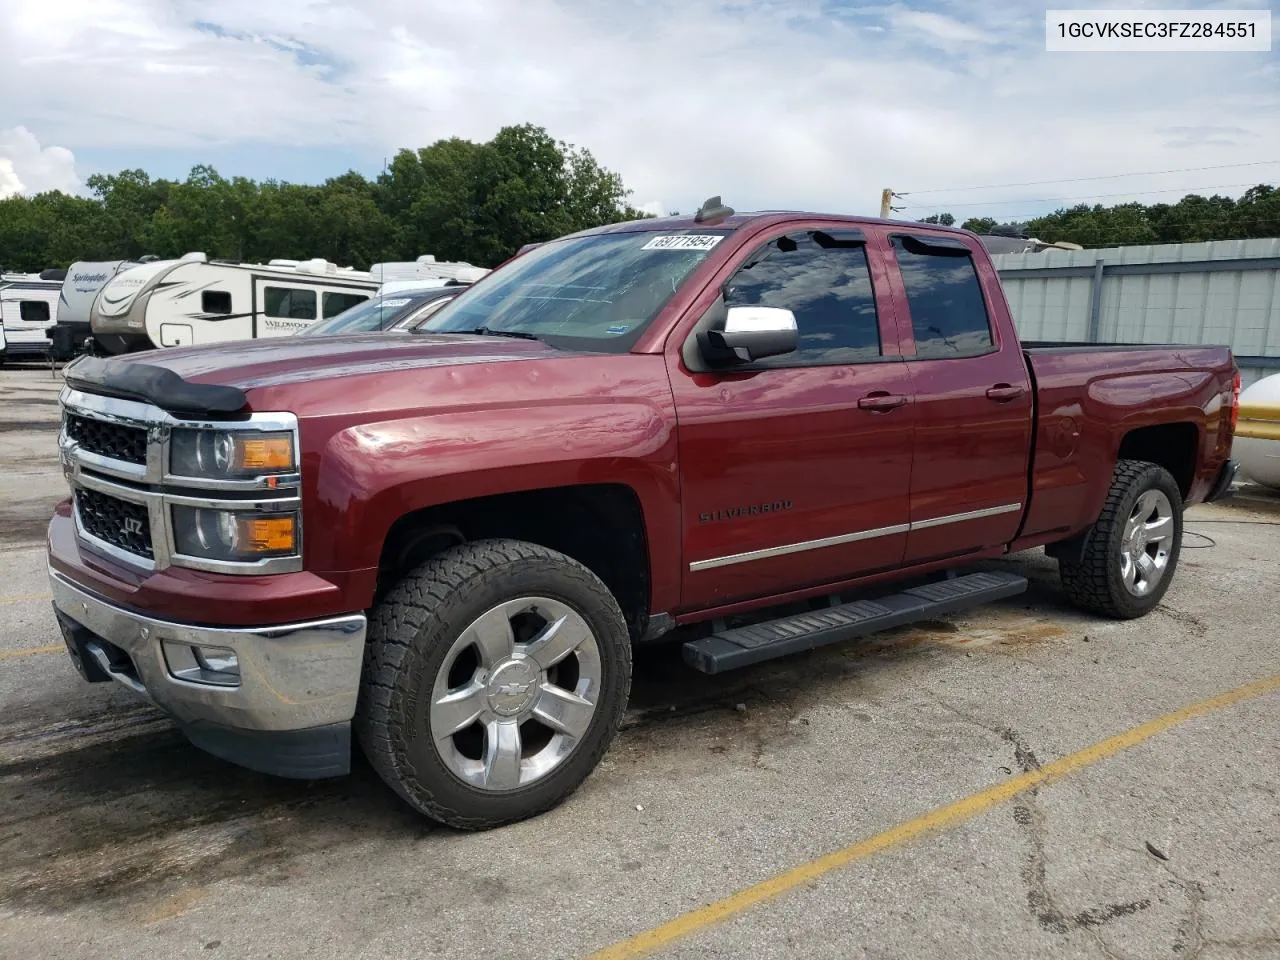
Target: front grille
107	439
120	523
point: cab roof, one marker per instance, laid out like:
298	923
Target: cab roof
736	221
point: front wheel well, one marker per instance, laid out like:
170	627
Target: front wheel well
599	525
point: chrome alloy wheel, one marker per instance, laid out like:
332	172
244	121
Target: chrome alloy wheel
516	693
1147	540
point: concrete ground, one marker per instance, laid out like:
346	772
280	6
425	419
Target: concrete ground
118	840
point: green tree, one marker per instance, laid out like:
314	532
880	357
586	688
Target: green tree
1257	213
481	202
979	224
129	201
347	226
48	230
456	199
462	200
1097	226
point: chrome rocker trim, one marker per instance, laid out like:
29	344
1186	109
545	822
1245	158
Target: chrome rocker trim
784	549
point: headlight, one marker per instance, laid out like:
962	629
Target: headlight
234	535
230	453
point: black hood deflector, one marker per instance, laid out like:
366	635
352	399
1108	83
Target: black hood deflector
131	380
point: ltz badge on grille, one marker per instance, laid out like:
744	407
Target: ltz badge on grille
132	526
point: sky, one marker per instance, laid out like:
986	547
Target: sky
815	104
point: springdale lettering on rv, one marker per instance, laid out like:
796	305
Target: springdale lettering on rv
447	542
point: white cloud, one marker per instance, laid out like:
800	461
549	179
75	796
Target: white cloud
937	27
26	167
771	103
10	185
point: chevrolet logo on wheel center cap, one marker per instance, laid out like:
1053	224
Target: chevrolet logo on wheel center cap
512	687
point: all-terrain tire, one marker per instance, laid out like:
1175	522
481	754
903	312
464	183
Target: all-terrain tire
1093	580
410	634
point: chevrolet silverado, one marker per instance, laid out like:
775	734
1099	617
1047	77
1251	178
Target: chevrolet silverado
733	429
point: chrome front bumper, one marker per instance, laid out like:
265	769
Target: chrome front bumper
292	677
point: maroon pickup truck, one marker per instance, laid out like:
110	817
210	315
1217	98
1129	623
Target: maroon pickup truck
447	542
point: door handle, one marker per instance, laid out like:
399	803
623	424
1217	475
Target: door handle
1004	392
881	401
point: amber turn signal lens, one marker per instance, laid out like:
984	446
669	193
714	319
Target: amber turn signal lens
267	534
264	453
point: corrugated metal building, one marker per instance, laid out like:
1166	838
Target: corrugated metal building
1220	292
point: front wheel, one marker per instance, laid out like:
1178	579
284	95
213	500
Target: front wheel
495	677
1131	552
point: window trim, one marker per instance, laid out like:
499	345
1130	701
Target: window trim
310	289
419	314
217	313
342	293
840	232
48	311
948	243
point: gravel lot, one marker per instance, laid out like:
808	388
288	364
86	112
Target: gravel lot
117	840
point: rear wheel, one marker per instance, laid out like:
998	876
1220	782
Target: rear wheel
495	677
1131	552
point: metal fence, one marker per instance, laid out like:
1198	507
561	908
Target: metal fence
1221	292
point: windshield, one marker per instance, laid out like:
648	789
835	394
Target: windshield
378	313
597	292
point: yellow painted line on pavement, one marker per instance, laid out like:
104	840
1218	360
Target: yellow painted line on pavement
24	597
950	815
31	651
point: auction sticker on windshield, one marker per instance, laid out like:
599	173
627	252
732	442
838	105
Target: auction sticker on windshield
683	241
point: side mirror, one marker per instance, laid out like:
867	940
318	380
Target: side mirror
749	334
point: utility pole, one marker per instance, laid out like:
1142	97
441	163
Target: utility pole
886	201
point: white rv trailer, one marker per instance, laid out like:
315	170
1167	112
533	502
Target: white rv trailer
427	268
195	300
84	279
28	306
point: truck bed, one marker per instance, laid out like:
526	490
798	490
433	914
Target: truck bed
1096	402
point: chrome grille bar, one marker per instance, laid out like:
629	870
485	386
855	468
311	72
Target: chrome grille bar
153	485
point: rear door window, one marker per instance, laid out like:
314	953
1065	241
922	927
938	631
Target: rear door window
948	312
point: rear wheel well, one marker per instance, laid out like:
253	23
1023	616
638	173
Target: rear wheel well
1171	445
599	525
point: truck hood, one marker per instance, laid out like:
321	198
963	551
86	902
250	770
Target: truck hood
253	364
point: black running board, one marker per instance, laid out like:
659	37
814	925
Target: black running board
742	646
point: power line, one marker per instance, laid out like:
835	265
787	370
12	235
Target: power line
1088	196
1157	223
1190	221
1160	221
1110	176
